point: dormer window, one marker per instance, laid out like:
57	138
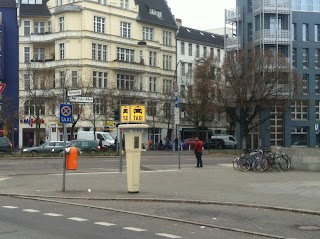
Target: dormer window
156	13
124	4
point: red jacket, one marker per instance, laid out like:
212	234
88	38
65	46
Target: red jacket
198	145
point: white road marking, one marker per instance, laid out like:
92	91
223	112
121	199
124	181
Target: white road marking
105	224
229	165
135	229
2	179
78	219
10	207
30	210
96	173
53	214
167	235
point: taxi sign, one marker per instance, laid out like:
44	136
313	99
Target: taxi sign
65	113
125	114
138	113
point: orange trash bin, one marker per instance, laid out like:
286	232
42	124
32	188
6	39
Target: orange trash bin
72	158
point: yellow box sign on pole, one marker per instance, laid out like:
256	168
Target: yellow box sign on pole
138	113
125	114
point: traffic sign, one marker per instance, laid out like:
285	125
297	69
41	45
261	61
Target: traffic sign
74	92
2	86
138	113
125	114
81	99
65	113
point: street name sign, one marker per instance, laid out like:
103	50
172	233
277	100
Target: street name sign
81	99
65	114
74	92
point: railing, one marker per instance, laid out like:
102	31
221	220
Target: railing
233	14
272	36
281	6
51	37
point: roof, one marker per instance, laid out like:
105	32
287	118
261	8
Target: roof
144	15
8	3
200	36
27	10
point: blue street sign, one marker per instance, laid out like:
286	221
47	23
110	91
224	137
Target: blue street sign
177	102
65	114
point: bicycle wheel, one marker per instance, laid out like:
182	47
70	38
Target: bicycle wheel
288	159
283	163
260	164
235	163
243	164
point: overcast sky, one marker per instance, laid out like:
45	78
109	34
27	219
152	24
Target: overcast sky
201	14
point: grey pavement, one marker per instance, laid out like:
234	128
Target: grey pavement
220	183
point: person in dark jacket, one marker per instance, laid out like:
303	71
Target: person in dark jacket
198	149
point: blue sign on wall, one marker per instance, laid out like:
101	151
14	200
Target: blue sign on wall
65	113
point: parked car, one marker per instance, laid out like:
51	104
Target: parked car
85	145
5	145
188	142
49	147
229	140
214	144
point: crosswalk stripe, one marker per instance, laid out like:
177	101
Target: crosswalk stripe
53	214
167	235
104	224
134	229
30	210
78	219
10	207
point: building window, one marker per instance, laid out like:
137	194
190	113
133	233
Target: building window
167	86
167	110
140	87
204	51
49	27
125	29
125	54
305	58
99	106
183	91
124	4
305	32
98	24
125	82
31	107
26	28
294	57
38	27
299	110
317	109
99	52
103	2
147	34
26	81
167	38
183	68
197	51
211	51
99	79
317	84
61	51
62	78
182	48
218	55
317	58
250	32
299	136
74	79
294	31
27	54
190	49
152	108
61	24
38	54
167	61
152	84
317	32
152	58
305	80
189	73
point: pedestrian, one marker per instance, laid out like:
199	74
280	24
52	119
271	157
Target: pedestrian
198	149
30	142
100	143
176	141
149	144
160	145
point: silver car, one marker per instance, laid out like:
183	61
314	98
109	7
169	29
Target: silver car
49	147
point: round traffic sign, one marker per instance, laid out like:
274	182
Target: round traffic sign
66	110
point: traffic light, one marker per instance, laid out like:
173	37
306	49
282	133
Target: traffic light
116	114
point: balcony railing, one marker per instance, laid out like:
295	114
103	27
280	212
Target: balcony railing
268	36
51	37
233	14
272	6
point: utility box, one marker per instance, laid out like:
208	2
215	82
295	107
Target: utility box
72	158
133	142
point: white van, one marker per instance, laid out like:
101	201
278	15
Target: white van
229	140
107	139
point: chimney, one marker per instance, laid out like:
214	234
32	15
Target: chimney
179	22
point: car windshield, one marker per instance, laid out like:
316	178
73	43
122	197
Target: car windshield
107	137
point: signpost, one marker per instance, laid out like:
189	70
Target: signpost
2	86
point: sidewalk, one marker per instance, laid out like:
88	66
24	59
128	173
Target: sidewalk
293	189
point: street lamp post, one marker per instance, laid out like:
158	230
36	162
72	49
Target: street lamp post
177	109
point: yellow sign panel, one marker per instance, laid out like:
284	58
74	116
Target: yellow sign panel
138	113
125	114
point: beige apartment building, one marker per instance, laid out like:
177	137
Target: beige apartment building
116	51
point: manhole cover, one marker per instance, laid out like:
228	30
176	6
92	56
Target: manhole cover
309	228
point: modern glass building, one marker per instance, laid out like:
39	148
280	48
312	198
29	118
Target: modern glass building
290	28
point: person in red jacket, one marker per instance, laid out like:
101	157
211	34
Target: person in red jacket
198	148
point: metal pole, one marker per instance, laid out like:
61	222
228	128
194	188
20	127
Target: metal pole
94	119
120	152
64	145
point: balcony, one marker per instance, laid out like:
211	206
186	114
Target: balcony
49	64
233	43
267	36
271	6
233	14
51	37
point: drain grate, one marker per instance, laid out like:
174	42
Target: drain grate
309	228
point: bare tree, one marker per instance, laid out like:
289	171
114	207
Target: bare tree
254	82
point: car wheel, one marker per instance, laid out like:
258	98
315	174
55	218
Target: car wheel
92	151
34	153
